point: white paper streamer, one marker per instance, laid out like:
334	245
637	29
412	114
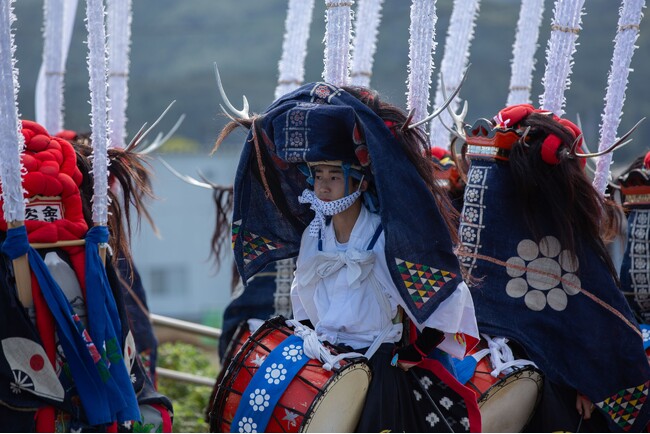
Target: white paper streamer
11	140
630	15
49	102
294	46
422	45
366	25
338	18
99	107
119	39
559	54
523	52
454	63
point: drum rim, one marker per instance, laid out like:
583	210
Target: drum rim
353	364
539	380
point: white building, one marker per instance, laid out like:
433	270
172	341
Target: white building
177	271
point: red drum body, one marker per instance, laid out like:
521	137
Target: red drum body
316	400
507	402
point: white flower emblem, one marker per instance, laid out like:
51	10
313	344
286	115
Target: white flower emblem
426	382
418	395
433	419
471	195
642	218
259	400
275	373
465	423
646	335
292	352
470	215
476	177
548	270
468	234
446	402
641	279
247	424
640	263
639	248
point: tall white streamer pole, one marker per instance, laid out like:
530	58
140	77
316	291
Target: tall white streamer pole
338	18
454	63
559	54
422	45
59	18
366	25
294	47
523	51
12	141
629	20
119	39
99	107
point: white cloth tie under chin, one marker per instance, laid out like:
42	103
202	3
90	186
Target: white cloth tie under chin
323	208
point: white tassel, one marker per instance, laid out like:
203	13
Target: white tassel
119	39
49	110
454	63
630	16
99	107
294	47
12	141
523	52
366	25
338	18
422	45
559	54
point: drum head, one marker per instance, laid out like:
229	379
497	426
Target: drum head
339	407
509	404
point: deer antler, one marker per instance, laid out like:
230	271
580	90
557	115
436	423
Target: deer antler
448	101
244	112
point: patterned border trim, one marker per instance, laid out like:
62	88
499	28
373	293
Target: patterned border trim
471	225
639	242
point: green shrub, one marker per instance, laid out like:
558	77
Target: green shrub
190	400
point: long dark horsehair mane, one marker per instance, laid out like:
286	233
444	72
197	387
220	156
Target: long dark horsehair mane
130	171
560	196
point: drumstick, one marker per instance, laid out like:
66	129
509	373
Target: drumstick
435	407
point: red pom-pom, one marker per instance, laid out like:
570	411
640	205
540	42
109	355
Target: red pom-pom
646	161
67	134
512	115
439	152
30	163
34	183
35	127
549	149
38	143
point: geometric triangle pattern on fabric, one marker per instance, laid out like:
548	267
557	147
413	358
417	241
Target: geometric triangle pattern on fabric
252	245
422	281
624	406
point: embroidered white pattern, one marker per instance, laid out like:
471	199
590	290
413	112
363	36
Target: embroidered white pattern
472	216
292	352
446	402
640	257
433	419
247	424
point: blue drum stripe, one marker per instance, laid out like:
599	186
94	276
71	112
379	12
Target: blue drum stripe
268	384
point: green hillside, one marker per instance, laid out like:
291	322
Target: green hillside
175	44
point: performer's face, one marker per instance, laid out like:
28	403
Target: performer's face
329	183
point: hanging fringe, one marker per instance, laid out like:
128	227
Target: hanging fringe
630	15
99	107
523	52
119	41
11	140
454	63
559	54
338	17
422	45
366	26
294	47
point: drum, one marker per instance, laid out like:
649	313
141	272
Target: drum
507	402
258	391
